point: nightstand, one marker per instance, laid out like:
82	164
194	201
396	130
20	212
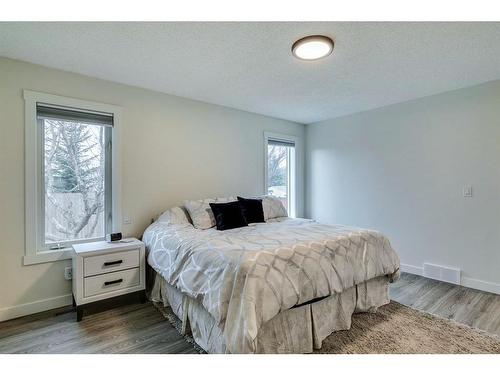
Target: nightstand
103	270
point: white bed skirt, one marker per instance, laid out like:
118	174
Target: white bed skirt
298	330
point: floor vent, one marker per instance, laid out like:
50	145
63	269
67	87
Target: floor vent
448	274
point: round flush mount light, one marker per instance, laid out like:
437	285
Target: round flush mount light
312	47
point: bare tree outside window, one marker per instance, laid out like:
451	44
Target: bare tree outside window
277	172
74	180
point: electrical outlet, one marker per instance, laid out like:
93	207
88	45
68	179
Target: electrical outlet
127	221
68	273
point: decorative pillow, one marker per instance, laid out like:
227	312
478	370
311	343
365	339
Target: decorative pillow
228	215
174	215
252	210
201	213
273	207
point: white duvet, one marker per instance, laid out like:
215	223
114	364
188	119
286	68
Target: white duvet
246	276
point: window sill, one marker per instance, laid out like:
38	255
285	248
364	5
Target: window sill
47	256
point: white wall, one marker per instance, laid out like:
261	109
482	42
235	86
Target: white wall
172	149
401	169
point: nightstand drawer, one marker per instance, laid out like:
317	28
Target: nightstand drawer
99	264
111	282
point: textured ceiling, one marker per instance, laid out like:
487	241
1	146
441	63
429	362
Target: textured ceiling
249	66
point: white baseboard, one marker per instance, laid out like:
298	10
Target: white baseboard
12	312
485	286
411	269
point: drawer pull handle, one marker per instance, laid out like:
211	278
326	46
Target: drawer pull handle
113	263
113	282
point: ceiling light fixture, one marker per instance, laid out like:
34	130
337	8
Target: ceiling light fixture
312	47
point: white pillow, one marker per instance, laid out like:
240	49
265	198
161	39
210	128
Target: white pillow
174	215
272	207
201	213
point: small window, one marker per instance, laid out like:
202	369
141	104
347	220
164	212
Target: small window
76	178
71	180
281	170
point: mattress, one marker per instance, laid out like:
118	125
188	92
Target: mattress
245	277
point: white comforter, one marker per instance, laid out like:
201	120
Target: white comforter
246	276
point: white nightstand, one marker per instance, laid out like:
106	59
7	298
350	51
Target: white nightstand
103	270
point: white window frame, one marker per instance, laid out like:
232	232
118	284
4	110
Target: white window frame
33	180
295	173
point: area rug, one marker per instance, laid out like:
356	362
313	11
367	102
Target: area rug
396	329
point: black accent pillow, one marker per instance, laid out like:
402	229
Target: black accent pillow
252	210
228	215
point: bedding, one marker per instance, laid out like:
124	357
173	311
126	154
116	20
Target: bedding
252	210
200	212
228	215
298	330
174	215
273	208
246	276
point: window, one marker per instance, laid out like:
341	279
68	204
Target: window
76	179
70	177
281	169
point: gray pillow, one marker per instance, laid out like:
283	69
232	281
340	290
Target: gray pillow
174	215
273	207
201	213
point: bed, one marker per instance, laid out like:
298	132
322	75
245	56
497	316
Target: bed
281	286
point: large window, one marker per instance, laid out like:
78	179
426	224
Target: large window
70	177
76	175
281	170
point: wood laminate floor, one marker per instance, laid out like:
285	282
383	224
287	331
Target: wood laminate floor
471	307
140	328
136	328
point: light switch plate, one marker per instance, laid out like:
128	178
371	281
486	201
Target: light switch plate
467	191
127	221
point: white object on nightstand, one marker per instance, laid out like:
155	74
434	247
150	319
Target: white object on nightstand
102	270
